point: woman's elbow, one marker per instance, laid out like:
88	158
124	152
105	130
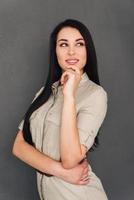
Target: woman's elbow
19	140
15	149
69	164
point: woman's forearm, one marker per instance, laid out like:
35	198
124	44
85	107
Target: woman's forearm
33	157
70	148
45	164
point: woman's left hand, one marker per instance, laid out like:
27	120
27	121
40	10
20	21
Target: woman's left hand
70	80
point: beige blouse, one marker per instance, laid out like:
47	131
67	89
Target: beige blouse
91	108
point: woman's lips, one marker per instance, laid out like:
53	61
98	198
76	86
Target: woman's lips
72	61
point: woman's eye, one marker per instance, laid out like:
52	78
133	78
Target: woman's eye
80	44
63	44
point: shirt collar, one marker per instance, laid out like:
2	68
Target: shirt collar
84	78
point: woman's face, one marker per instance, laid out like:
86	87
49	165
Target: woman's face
70	49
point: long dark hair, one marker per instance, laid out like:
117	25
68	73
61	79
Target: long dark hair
55	71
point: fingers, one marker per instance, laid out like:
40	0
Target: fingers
84	163
64	76
74	68
84	182
85	171
71	69
84	177
85	174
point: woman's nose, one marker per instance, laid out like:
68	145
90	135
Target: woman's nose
71	50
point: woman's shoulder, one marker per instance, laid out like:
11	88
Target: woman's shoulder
96	91
94	87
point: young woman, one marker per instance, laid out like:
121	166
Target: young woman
63	121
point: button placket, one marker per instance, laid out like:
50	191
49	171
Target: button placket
54	91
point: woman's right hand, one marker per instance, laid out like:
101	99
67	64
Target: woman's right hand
77	175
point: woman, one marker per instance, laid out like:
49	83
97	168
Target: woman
62	122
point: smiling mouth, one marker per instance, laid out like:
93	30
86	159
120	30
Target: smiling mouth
72	61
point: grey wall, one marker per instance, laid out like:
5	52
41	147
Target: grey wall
24	32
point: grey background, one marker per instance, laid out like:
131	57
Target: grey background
25	27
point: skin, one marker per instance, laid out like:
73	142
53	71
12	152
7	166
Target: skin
40	161
78	174
70	45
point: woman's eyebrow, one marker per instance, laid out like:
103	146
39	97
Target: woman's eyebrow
62	40
79	39
65	40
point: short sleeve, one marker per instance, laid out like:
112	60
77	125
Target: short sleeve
91	116
20	127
